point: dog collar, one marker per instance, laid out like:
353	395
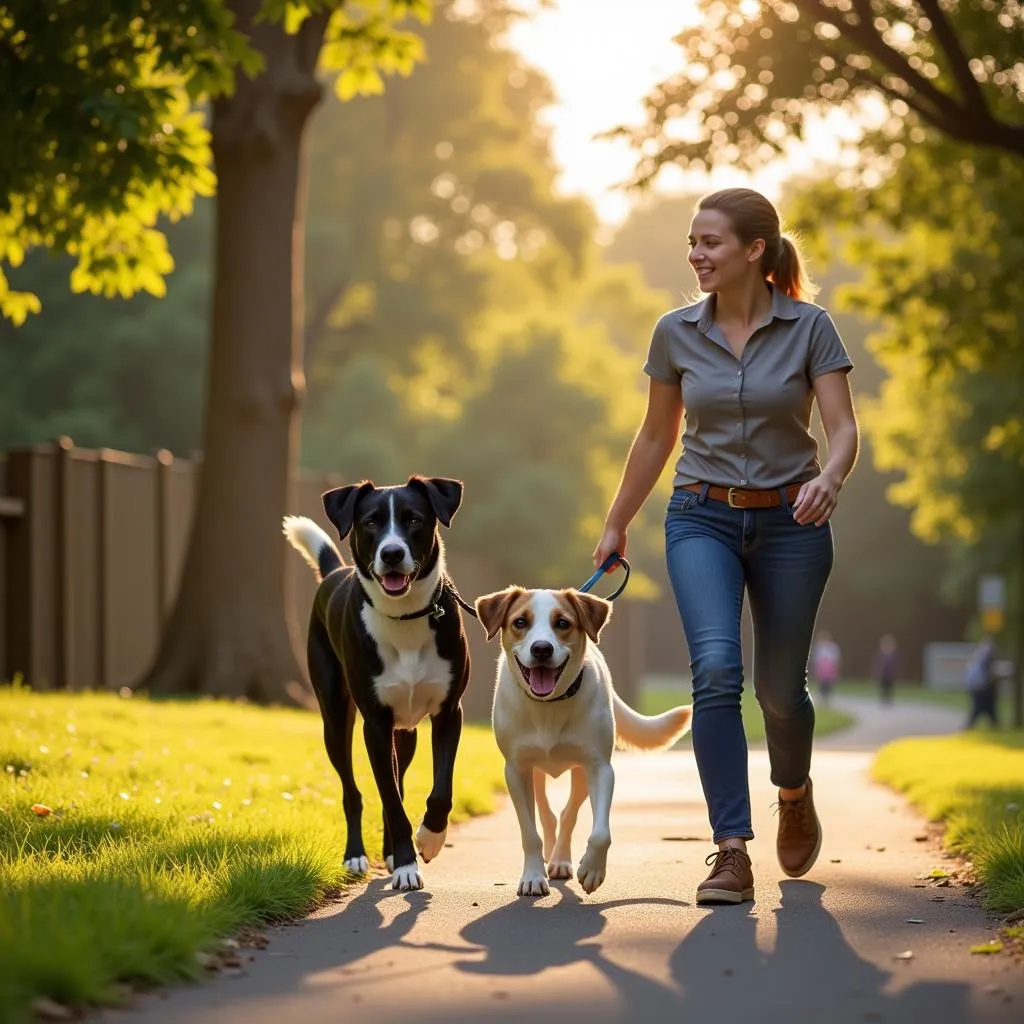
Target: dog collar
433	608
574	688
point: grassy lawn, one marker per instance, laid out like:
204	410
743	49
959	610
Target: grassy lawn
974	783
172	825
907	693
662	692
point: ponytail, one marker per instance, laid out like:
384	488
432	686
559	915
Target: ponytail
786	271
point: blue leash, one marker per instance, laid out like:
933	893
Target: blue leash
613	559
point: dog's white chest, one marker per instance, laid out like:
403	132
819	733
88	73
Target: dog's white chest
415	679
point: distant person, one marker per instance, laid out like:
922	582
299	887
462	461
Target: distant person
826	664
884	667
749	512
982	684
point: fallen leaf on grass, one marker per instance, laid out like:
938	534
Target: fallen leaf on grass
42	810
987	948
47	1009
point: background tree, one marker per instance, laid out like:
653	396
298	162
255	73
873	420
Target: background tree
95	185
941	244
753	78
122	374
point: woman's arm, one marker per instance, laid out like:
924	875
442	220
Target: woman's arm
818	497
648	454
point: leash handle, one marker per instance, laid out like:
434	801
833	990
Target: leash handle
613	559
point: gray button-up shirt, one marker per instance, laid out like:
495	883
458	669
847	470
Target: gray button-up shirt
747	419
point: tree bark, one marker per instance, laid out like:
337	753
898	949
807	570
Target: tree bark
230	633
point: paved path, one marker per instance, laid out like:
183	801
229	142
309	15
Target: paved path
877	724
821	950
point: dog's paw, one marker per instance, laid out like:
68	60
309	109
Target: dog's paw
429	844
357	865
389	862
560	869
592	870
533	883
406	878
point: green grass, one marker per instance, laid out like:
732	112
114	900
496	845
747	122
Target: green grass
173	825
907	693
974	783
662	692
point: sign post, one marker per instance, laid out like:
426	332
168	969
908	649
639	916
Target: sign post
992	602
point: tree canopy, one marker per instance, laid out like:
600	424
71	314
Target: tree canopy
101	112
756	75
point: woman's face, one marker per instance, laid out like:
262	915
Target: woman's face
720	260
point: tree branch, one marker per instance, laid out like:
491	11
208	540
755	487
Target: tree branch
863	32
970	88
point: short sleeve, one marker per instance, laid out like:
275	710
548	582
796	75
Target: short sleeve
827	351
659	364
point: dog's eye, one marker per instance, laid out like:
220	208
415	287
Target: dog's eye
561	623
519	623
371	525
415	521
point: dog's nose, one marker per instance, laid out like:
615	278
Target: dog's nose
541	650
391	555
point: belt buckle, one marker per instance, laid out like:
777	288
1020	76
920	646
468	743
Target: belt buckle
729	498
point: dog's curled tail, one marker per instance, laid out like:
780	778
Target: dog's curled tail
634	731
313	544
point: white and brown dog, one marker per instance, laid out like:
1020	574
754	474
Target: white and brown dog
555	709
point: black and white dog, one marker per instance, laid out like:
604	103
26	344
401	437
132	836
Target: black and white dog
386	638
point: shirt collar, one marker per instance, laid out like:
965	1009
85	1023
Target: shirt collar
703	313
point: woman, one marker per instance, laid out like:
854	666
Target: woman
749	510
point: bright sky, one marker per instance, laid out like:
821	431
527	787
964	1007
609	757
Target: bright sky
602	57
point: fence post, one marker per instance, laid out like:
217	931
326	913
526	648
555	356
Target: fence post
102	517
164	468
64	608
30	565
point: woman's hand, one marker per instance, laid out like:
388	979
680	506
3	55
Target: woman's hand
613	539
817	500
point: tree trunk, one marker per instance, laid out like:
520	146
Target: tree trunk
230	633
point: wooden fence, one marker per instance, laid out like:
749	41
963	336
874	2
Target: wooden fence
91	546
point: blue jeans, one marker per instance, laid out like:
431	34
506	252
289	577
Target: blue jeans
714	552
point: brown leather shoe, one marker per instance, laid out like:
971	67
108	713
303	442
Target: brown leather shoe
730	881
799	840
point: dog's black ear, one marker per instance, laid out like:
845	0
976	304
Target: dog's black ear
593	612
491	609
444	495
340	505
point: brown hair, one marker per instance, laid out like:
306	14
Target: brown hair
752	216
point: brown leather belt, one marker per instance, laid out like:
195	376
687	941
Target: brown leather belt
739	497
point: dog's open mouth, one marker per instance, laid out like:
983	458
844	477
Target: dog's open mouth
541	679
395	584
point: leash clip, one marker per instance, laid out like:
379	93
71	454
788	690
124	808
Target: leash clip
436	612
613	559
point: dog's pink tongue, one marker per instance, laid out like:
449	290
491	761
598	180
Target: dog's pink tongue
542	680
394	581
